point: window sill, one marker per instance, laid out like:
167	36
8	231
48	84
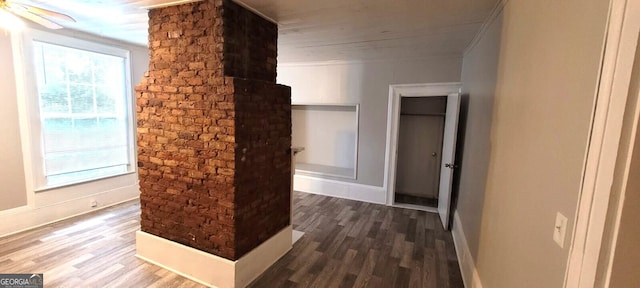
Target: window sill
80	182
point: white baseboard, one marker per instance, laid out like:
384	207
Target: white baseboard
25	218
296	236
209	269
347	190
468	269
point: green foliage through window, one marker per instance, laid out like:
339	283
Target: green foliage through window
83	110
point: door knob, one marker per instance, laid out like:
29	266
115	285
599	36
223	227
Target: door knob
434	154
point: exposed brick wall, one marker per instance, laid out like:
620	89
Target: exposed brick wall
213	150
263	160
250	44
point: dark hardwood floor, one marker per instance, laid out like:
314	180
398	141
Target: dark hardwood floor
354	244
346	244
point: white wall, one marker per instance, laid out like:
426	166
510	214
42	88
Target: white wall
367	84
547	75
12	191
52	205
479	79
328	134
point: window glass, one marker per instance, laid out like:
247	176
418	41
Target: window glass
83	111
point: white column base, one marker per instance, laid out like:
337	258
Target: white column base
296	236
209	269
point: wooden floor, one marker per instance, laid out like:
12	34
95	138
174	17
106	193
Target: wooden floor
346	244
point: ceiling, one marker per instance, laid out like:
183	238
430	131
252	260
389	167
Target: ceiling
315	31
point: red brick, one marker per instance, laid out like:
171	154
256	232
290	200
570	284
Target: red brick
209	94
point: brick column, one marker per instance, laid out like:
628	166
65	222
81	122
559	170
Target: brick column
214	130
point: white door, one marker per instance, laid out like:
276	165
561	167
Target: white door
448	157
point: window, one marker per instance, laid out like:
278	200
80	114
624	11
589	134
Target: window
83	107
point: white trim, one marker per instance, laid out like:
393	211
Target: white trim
352	62
254	11
26	130
470	275
497	9
30	124
295	236
75	43
351	191
167	4
209	269
612	94
85	181
252	264
393	112
340	189
618	209
25	218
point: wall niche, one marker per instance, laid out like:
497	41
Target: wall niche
329	134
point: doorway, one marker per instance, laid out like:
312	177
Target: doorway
420	134
445	155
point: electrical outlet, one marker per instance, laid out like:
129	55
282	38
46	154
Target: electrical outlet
93	203
560	229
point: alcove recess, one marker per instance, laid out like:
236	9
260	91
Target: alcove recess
329	134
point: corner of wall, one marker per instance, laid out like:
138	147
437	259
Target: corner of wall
470	275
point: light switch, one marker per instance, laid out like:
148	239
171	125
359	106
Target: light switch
560	229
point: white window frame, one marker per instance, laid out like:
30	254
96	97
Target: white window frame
35	135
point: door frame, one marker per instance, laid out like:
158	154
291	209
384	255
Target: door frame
393	121
587	242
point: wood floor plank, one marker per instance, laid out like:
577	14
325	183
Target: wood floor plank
429	271
415	279
366	273
341	271
346	244
442	264
347	231
348	281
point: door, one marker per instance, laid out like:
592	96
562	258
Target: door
450	93
448	157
